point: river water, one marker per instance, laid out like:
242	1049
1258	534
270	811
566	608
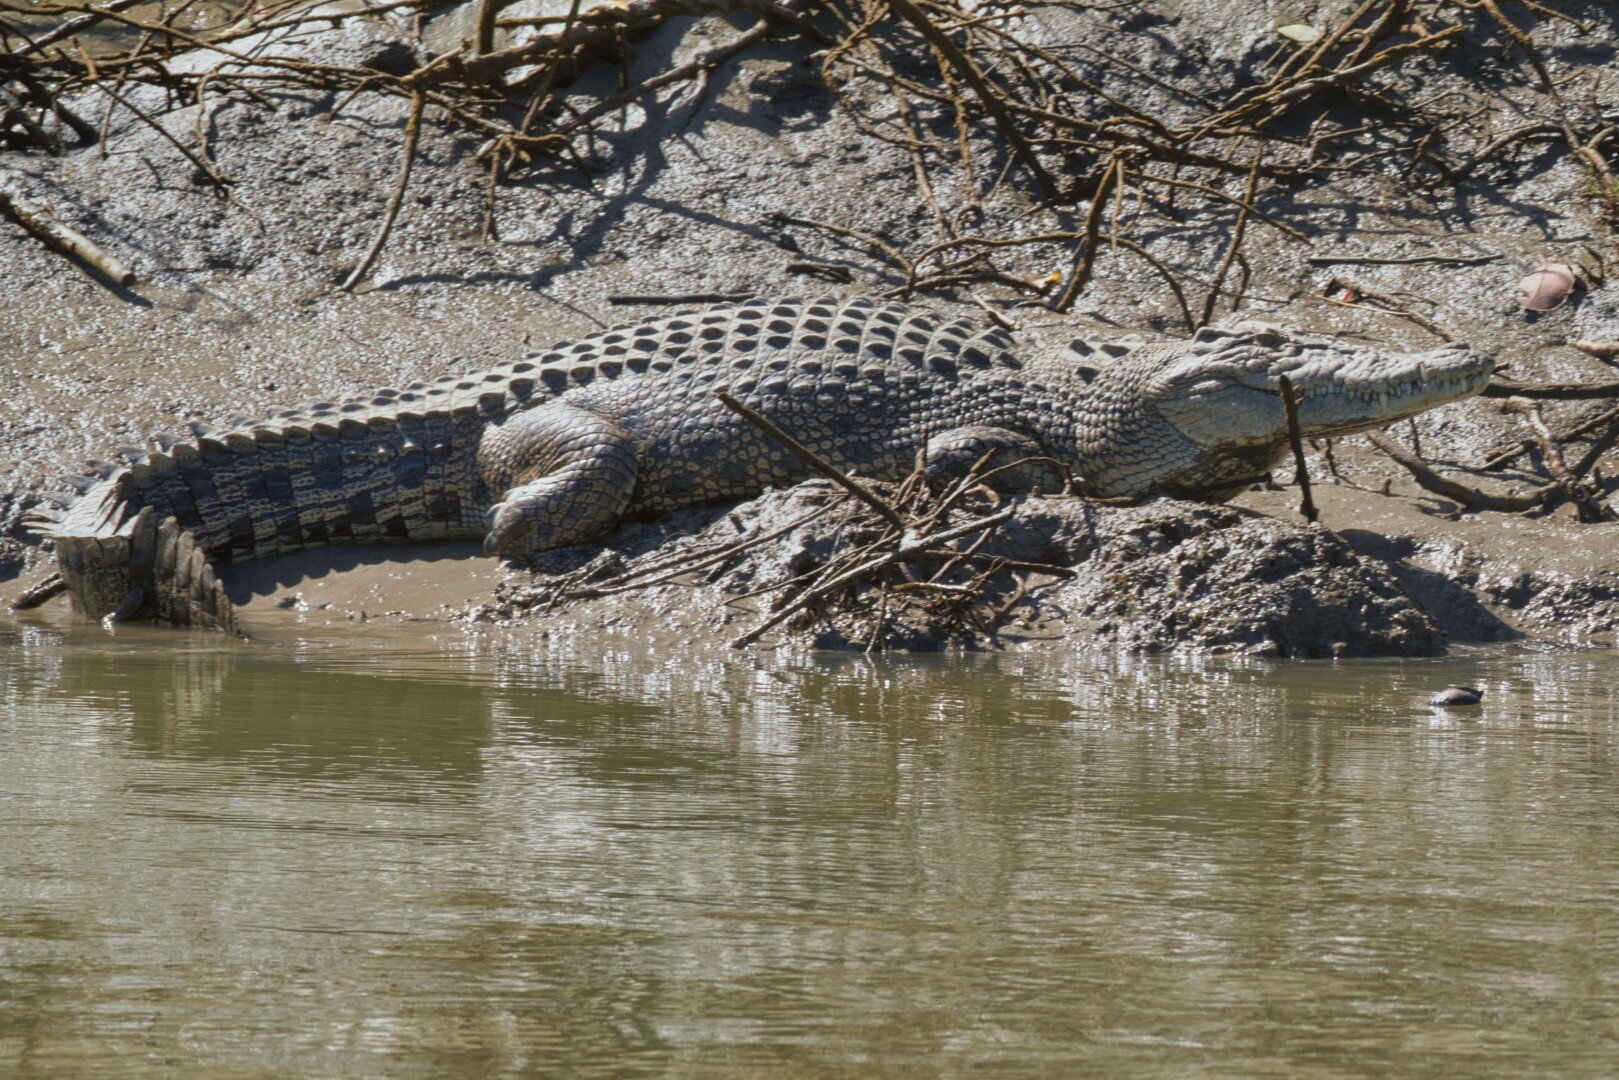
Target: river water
353	856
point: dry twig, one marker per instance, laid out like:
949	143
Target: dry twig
407	155
1290	406
39	221
1468	497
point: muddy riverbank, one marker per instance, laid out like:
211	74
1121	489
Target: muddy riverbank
238	311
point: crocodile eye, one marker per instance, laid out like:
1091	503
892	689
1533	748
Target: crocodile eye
1208	386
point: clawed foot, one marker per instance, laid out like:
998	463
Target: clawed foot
499	520
554	511
519	530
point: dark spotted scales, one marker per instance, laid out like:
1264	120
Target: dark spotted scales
620	423
557	448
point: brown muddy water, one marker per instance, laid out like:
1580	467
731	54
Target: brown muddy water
350	856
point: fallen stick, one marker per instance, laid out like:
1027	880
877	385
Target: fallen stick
44	98
1585	427
1411	260
905	552
1386	304
1602	350
622	299
1591	508
1212	297
874	242
705	62
804	454
787	11
1492	150
598	27
74	25
1603	444
1502	388
674	569
1290	406
221	183
37	220
992	102
407	155
13	111
1467	497
1344	76
825	271
1086	262
1257	214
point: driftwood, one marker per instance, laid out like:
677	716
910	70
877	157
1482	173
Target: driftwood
455	90
1578	481
1026	93
1085	265
936	66
14	112
1506	388
915	559
39	221
1589	504
627	299
1403	260
1232	253
1376	301
982	88
1469	497
1602	350
809	458
76	25
930	574
1503	457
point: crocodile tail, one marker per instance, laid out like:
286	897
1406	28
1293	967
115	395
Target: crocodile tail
117	563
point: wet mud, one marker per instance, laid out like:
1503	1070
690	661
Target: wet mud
237	311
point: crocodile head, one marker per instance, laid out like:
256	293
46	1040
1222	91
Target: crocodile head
1205	416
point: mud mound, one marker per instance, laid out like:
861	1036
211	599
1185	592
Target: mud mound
1166	575
1174	575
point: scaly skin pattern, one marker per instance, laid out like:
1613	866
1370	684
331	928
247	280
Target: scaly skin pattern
557	448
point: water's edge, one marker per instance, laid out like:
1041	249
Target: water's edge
339	856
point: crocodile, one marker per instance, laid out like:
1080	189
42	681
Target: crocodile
556	448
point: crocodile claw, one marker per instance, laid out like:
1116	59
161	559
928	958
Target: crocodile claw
490	544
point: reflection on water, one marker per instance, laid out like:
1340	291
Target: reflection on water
342	858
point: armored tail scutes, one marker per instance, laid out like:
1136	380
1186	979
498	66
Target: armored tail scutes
555	449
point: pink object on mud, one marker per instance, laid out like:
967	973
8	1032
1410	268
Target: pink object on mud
1546	287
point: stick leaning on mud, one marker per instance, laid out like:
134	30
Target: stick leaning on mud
51	232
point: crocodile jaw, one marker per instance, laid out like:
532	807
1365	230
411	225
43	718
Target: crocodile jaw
1397	386
1201	418
1237	405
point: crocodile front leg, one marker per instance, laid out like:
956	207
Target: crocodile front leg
1025	465
564	475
